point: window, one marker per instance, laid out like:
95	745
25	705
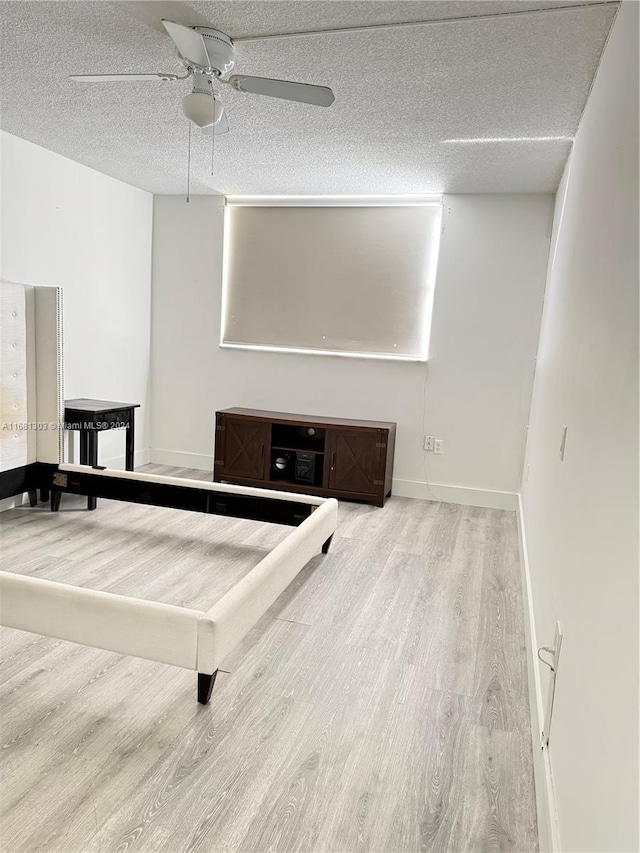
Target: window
326	276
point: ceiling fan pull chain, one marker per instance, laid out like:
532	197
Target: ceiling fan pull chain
189	166
213	129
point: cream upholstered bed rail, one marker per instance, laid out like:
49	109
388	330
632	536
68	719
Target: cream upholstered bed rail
183	637
117	623
237	612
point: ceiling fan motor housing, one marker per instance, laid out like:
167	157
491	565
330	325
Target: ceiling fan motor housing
219	49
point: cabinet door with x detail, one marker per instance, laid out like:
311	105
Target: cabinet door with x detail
356	461
241	448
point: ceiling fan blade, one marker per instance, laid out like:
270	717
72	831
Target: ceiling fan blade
121	78
305	93
190	43
221	127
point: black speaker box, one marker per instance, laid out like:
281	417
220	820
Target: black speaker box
282	463
305	471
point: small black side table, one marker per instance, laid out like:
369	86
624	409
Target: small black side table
91	417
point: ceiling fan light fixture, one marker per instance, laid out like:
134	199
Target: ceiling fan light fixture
198	108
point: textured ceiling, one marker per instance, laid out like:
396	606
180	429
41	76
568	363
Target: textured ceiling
400	93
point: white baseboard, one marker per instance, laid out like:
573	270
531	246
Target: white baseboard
12	503
140	457
180	459
402	488
72	454
548	827
463	495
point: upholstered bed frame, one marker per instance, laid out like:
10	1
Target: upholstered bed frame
31	458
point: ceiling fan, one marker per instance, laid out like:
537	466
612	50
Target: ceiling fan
206	55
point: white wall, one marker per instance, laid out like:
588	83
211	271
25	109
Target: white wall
65	224
487	310
581	515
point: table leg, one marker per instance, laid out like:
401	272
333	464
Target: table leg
129	442
84	447
85	438
92	460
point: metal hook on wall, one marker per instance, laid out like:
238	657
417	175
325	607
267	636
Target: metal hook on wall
554	652
551	651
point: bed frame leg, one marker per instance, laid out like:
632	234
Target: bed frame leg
327	545
55	501
205	686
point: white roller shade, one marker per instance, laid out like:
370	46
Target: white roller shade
346	279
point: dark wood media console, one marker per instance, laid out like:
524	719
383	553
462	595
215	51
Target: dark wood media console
332	457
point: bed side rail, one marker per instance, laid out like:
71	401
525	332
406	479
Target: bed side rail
117	623
227	622
178	493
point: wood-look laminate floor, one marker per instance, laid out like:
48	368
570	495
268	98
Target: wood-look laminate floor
380	705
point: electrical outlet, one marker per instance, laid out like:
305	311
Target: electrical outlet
438	446
428	442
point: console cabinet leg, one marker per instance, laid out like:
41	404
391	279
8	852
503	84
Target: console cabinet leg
33	497
55	501
44	494
205	686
